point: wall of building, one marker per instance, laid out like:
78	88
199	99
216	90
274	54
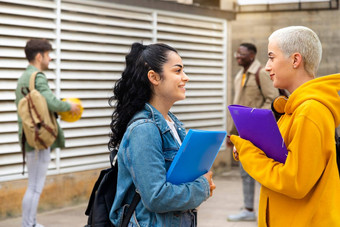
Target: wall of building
256	28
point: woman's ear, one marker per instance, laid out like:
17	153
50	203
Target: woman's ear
297	60
153	77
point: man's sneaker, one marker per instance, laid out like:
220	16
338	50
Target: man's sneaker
38	225
244	215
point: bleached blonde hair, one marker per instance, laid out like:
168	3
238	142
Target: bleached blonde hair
302	40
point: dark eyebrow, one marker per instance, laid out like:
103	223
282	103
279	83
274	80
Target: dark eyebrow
270	53
178	65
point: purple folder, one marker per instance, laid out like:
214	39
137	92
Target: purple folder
259	127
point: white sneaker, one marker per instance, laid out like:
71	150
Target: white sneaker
38	225
244	215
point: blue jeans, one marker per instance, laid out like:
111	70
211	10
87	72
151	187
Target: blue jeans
37	165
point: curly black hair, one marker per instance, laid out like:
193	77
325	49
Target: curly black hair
133	89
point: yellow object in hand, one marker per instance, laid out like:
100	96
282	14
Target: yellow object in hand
71	117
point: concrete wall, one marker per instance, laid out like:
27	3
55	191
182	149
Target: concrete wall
59	191
256	28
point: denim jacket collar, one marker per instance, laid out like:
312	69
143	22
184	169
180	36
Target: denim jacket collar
150	112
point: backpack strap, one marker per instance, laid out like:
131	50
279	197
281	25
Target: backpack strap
257	78
23	141
132	207
32	80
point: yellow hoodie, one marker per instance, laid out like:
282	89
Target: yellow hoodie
305	191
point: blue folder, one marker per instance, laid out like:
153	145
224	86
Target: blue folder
195	156
259	127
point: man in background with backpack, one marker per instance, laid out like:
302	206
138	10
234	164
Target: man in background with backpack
254	88
37	53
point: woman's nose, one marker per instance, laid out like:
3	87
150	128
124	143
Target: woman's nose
267	67
185	77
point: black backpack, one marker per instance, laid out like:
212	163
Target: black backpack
103	195
337	141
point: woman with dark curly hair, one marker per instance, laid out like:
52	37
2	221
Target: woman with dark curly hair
148	136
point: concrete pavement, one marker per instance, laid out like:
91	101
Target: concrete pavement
227	199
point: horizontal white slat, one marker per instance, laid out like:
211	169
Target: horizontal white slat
6	127
100	57
180	21
67	35
199	55
90	141
13	63
98	113
11	159
19	63
203	70
94	66
11	52
9	138
94	85
38	3
98	29
83	161
206	63
100	20
200	116
178	109
94	104
71	75
189	39
10	148
7	106
84	151
203	93
197	85
29	11
205	78
201	100
96	122
189	31
94	47
8	85
15	73
26	22
107	11
82	132
8	172
197	47
205	123
7	95
86	94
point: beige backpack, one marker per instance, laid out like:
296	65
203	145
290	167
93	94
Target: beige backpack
39	126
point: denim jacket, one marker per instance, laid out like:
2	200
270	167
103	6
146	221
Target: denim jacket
145	154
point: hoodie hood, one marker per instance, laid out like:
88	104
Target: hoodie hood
325	90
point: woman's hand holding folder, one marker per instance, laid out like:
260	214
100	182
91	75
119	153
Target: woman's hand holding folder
208	175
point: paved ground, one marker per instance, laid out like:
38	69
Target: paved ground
227	199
